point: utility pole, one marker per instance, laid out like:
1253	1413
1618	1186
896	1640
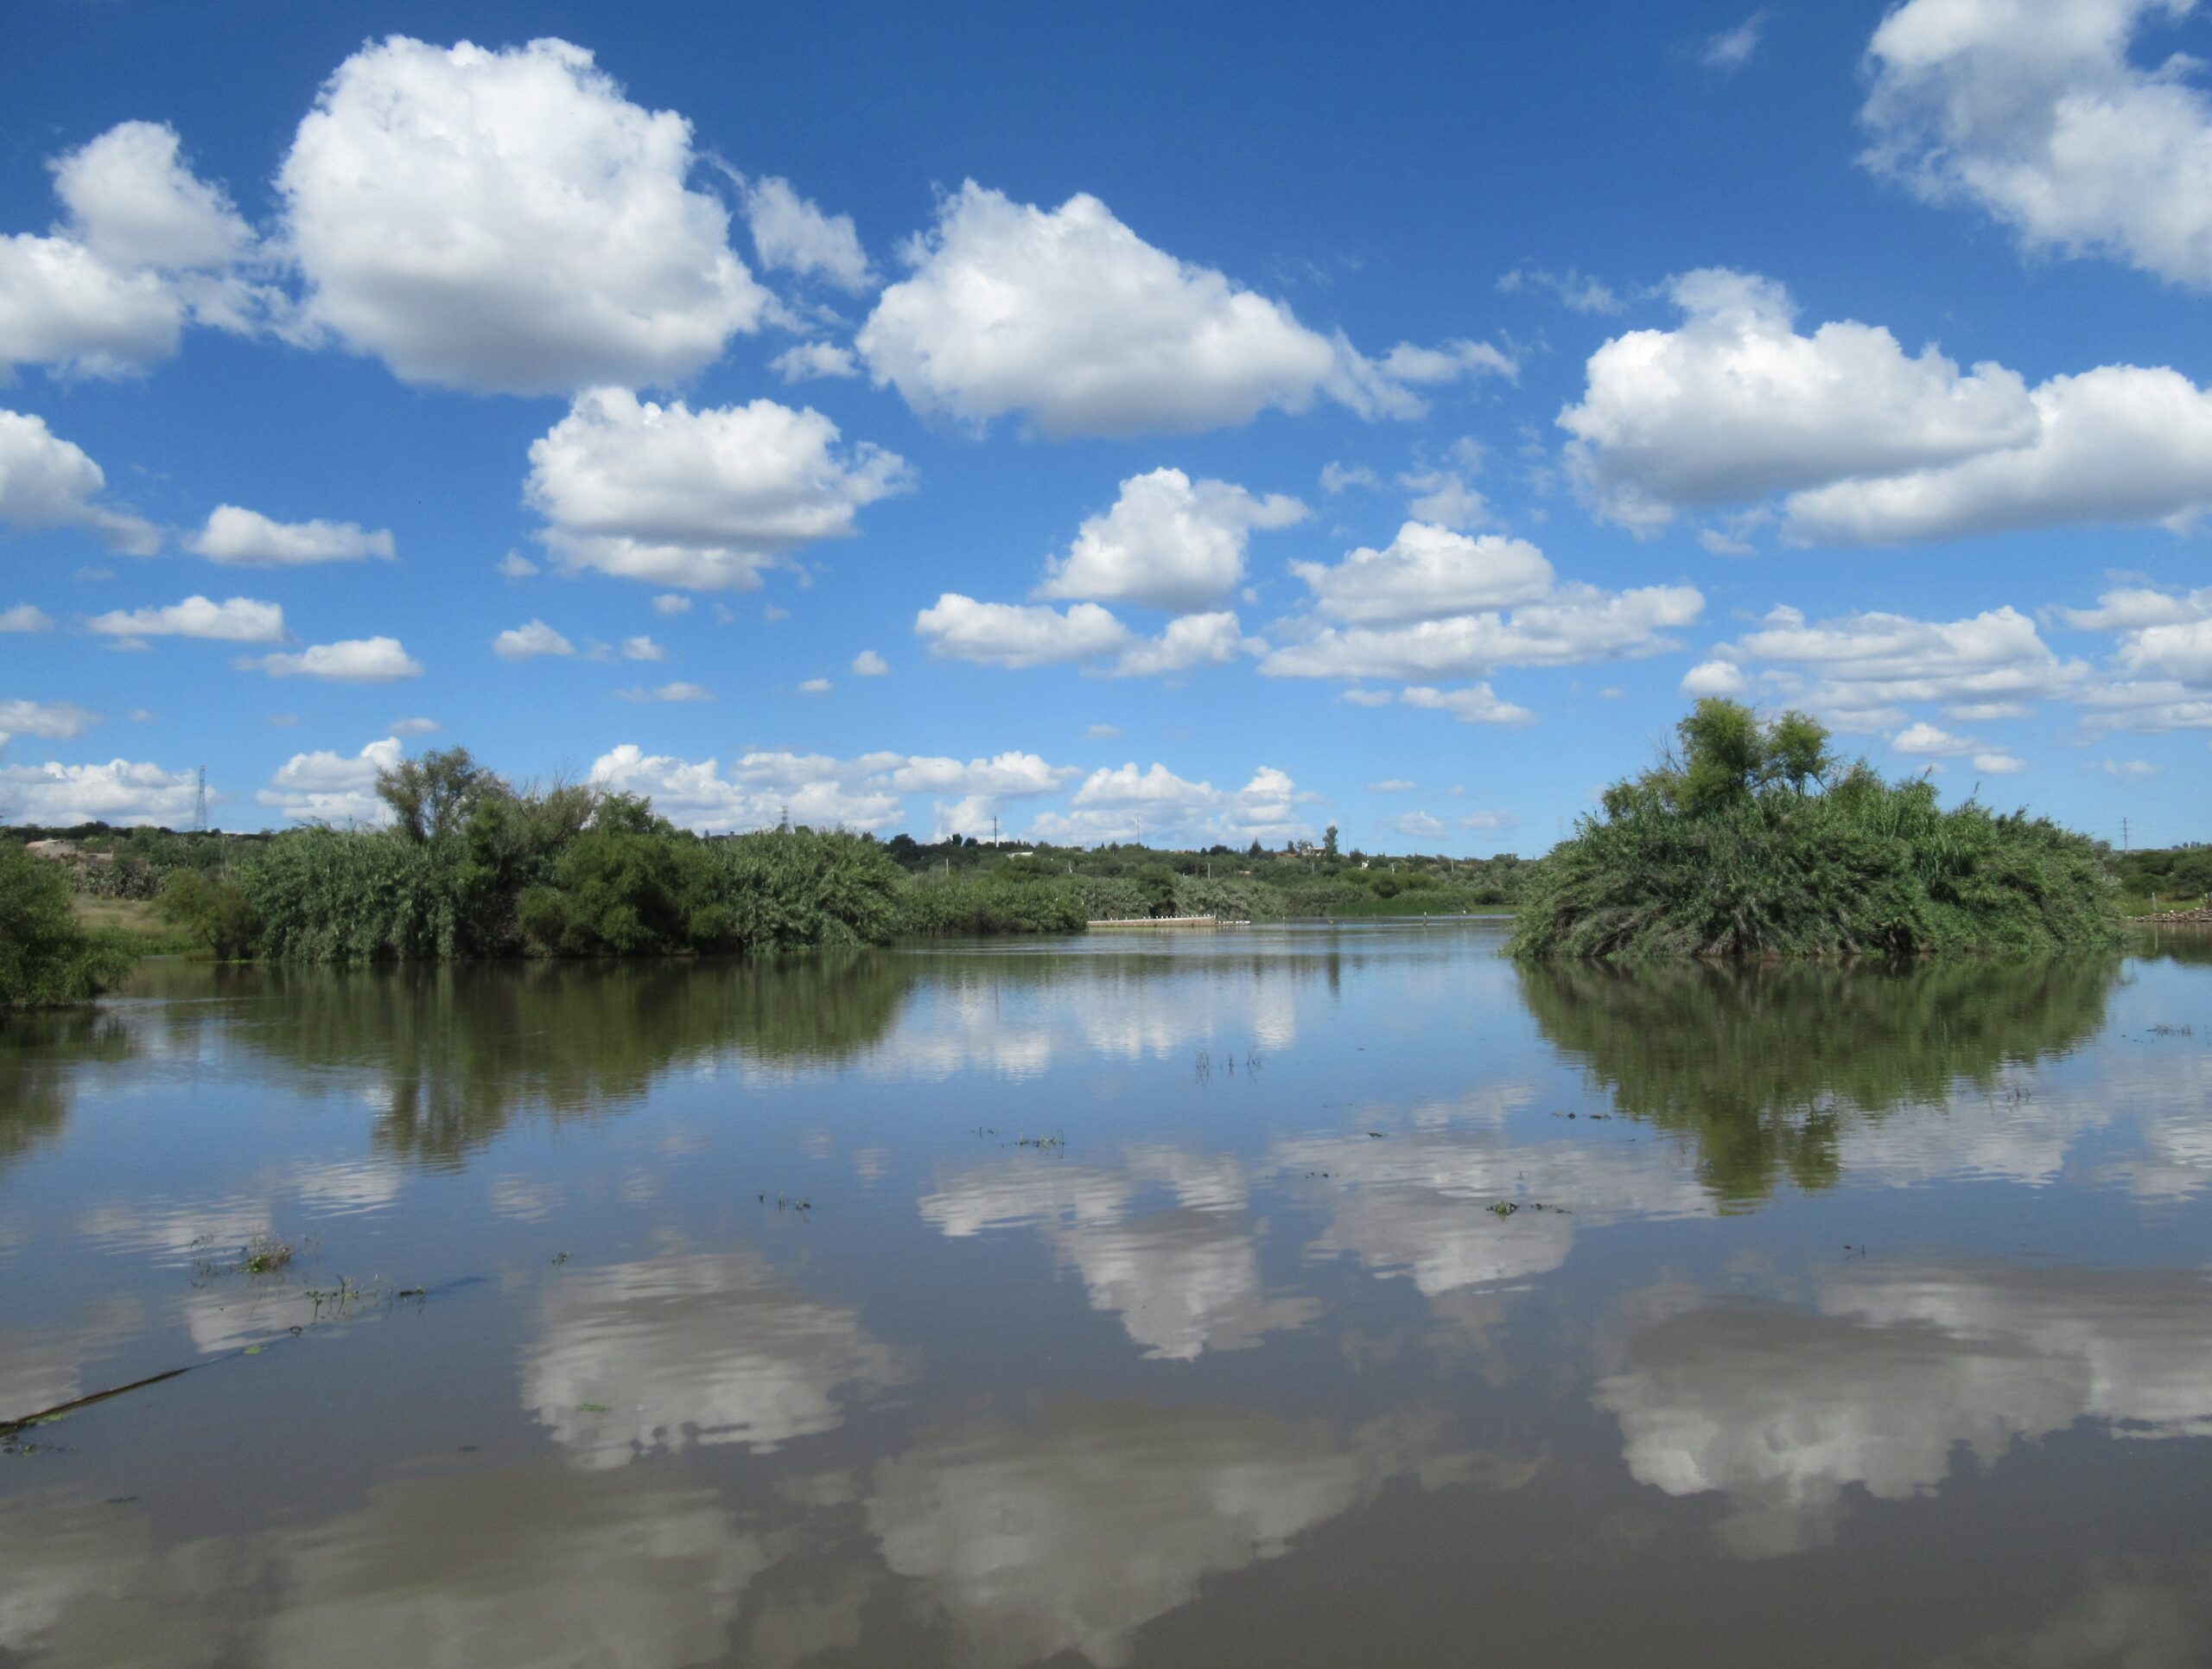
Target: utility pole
200	805
2123	834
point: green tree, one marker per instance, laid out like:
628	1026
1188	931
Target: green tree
431	797
1158	881
46	958
1329	840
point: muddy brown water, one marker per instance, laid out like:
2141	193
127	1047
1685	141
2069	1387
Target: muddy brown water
1285	1297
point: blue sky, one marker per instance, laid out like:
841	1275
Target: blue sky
1126	422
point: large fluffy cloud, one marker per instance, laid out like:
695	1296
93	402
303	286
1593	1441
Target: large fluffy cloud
507	221
2120	443
46	481
1068	317
1861	670
246	538
135	203
331	787
61	305
2035	111
1168	541
1734	405
1425	572
145	244
118	791
1872	446
704	498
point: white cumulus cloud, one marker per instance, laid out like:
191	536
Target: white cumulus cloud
868	664
60	720
1473	704
529	641
351	661
1068	317
144	245
47	482
791	233
1168	541
2120	443
1865	668
25	617
1714	678
119	792
1425	572
326	786
246	539
1734	405
237	620
1016	635
506	220
702	499
1872	446
2056	116
1189	640
1574	624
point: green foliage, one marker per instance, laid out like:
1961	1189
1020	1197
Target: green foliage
431	797
796	889
2178	876
323	895
979	905
1156	881
212	911
1729	853
46	957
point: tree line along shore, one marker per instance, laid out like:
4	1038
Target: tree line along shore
1749	839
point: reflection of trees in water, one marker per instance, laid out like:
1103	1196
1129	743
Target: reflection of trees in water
2186	944
1758	1064
39	1055
457	1052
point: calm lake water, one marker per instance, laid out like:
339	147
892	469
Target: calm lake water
1118	1301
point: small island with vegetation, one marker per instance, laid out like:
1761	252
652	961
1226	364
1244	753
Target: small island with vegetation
1751	841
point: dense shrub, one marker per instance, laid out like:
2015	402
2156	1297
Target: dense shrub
1752	844
796	889
46	958
321	896
986	905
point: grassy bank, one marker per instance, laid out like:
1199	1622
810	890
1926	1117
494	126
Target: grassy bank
137	922
1751	841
